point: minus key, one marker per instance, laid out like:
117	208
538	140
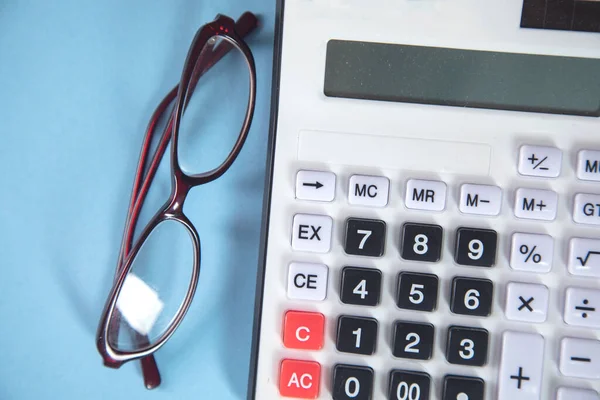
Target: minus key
580	358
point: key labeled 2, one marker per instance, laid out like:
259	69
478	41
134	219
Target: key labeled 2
476	247
365	237
413	340
421	242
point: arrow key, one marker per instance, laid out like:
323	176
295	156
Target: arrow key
315	185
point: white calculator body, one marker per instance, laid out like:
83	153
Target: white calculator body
432	218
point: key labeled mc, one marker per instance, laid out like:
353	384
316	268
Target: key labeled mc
368	190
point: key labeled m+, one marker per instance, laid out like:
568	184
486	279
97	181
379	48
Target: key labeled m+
312	233
536	204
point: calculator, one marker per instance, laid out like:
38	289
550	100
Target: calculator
432	212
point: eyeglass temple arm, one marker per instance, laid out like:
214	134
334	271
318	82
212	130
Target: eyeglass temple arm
244	26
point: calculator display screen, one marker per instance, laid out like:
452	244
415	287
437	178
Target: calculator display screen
463	78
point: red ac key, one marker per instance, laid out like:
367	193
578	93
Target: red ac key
303	330
299	379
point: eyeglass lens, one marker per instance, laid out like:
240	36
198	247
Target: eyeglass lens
216	111
154	289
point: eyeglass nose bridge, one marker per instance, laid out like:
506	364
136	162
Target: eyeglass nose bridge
111	356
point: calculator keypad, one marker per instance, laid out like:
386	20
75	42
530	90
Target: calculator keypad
361	286
421	242
303	330
417	291
521	361
526	302
365	237
299	379
467	346
463	388
351	382
441	268
409	385
357	335
586	209
476	247
581	307
471	296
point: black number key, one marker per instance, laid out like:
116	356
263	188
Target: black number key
361	286
471	296
467	346
421	242
405	385
417	291
413	340
356	335
471	387
365	237
476	247
351	382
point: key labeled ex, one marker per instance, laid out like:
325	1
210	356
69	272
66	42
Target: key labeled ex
311	233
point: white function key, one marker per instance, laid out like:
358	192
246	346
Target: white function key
531	252
580	358
526	302
425	195
540	161
536	204
521	362
567	393
480	199
315	185
588	164
581	307
586	209
366	190
312	233
307	281
584	257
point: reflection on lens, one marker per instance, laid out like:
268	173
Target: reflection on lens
154	288
214	117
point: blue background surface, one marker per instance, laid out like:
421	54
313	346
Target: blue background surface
78	82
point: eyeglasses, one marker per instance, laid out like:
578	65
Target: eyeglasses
153	290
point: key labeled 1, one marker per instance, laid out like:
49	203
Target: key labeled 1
531	252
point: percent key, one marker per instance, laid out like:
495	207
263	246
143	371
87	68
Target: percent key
531	252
